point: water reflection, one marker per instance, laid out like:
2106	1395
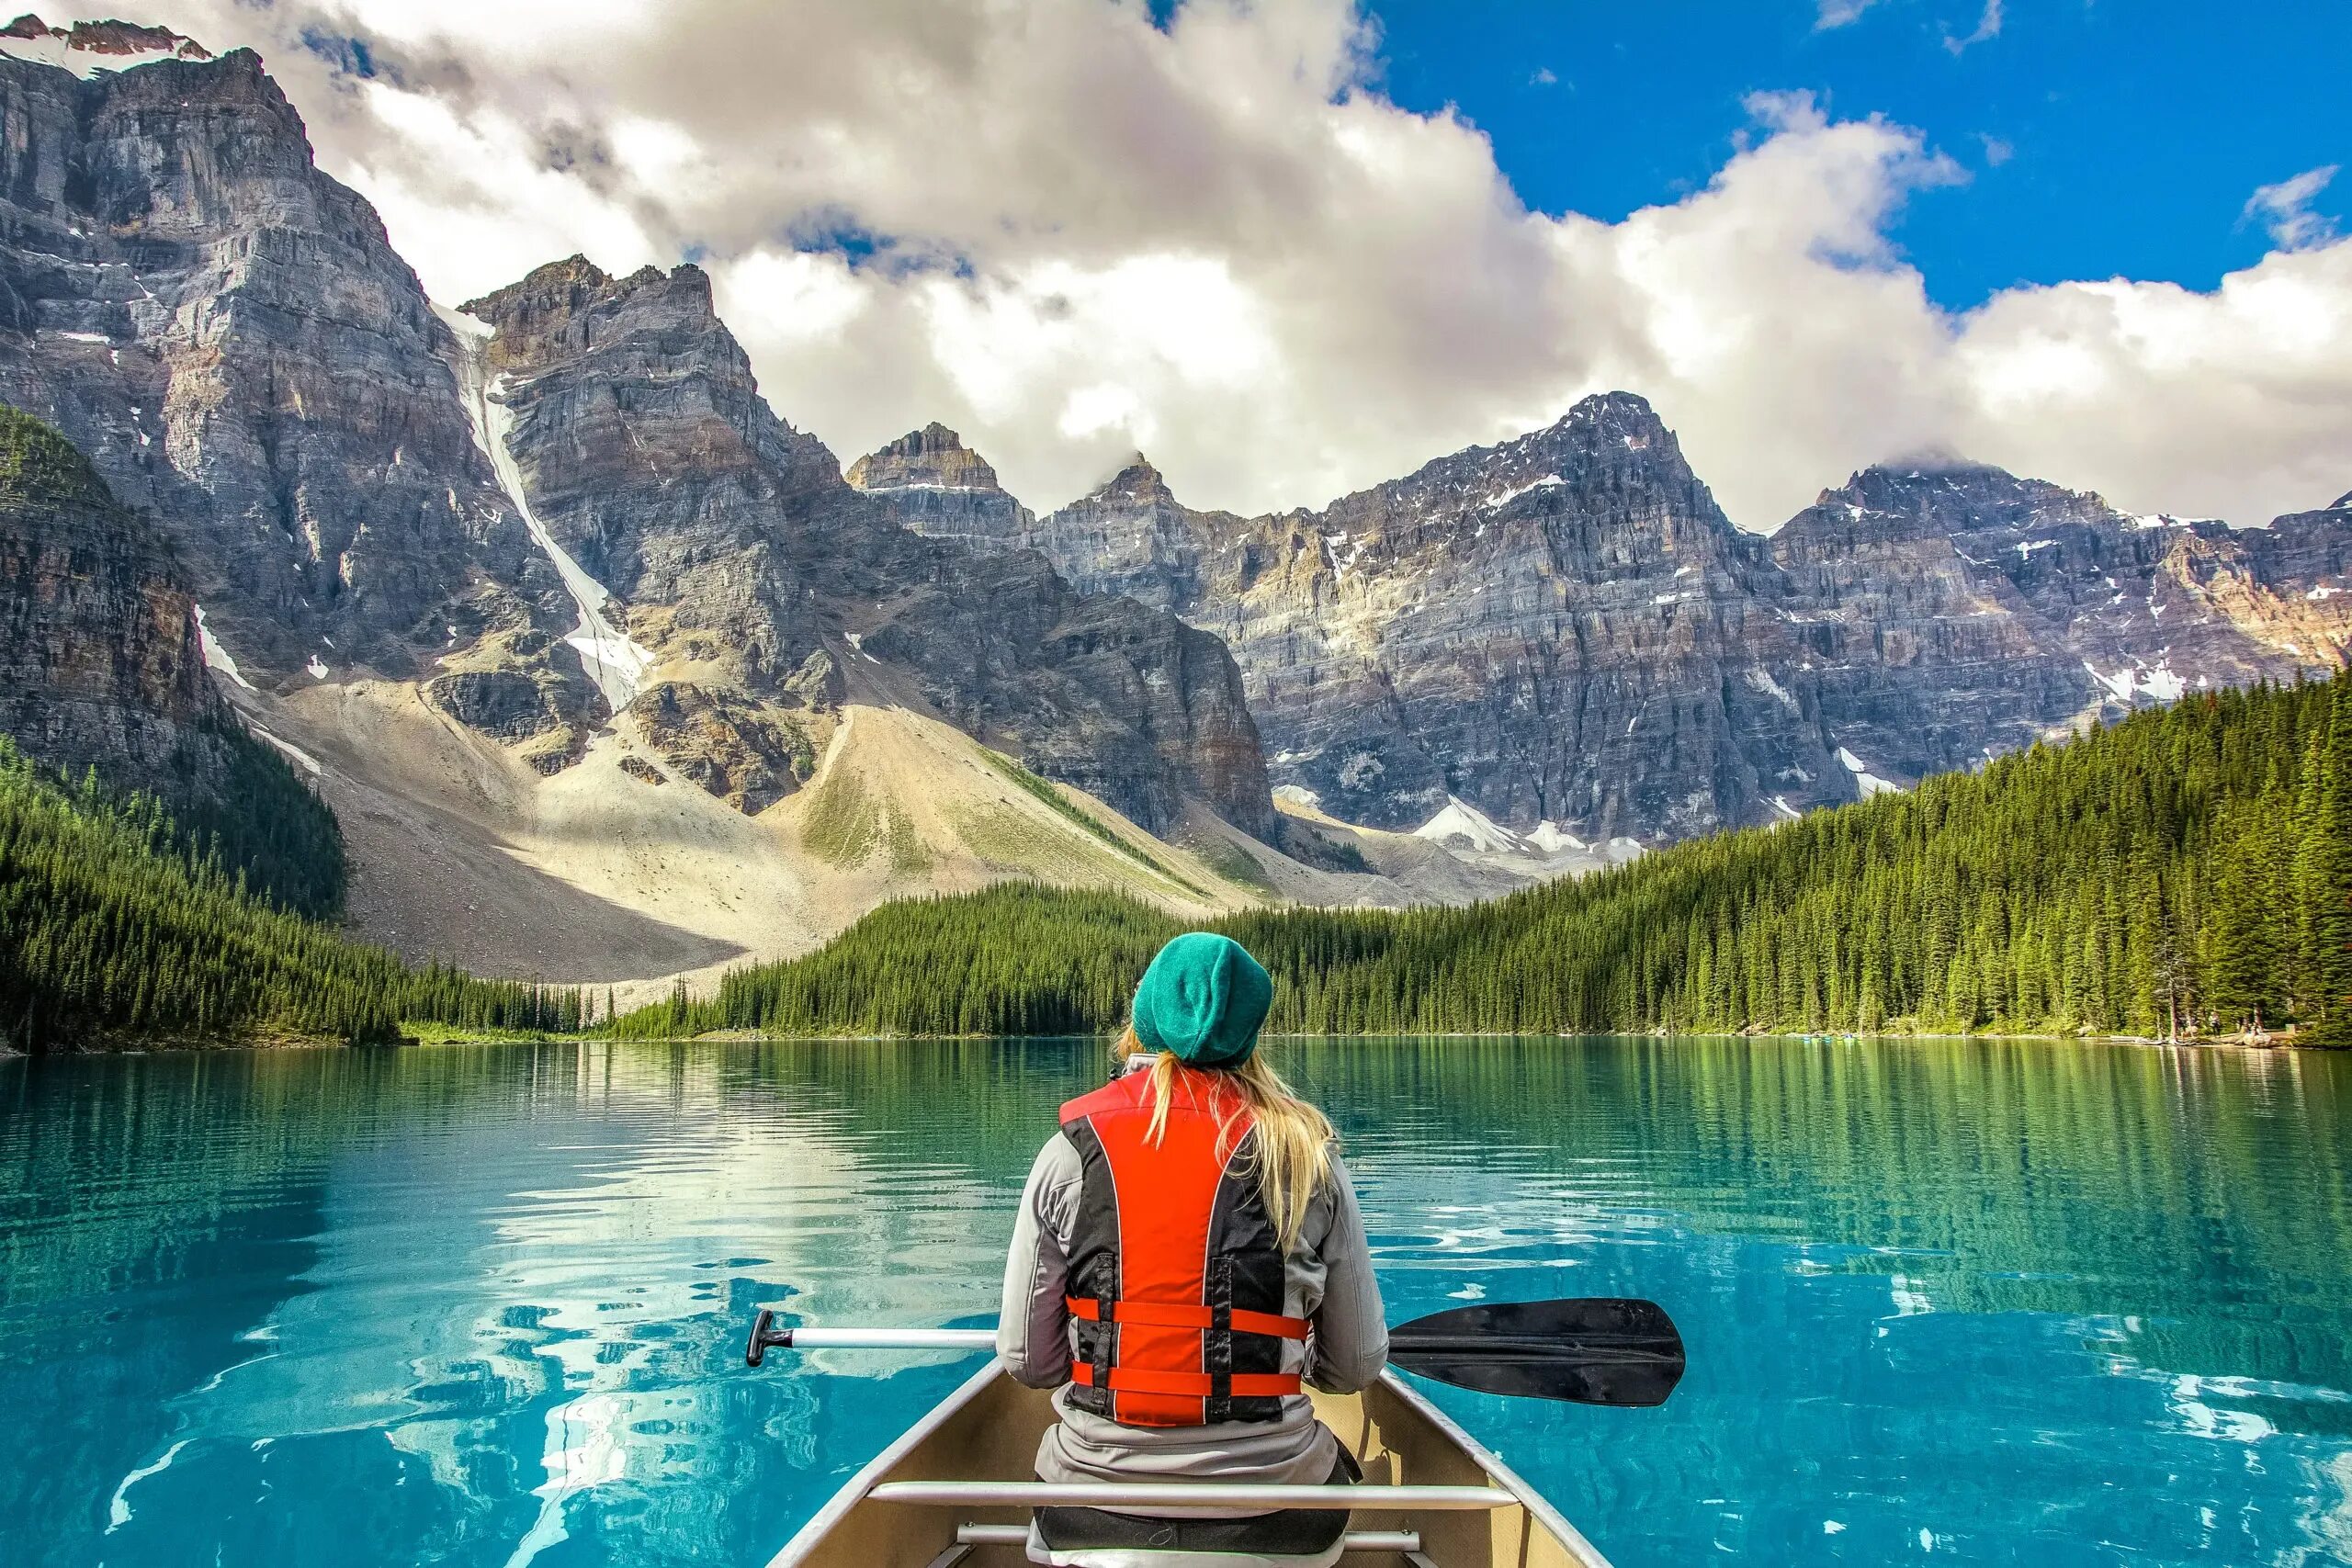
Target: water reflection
2004	1304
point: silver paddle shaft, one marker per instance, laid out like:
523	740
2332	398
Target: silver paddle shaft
892	1340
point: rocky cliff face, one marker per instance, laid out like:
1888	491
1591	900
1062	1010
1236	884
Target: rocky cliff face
103	657
1566	628
227	332
942	488
100	662
1951	611
1562	628
524	513
646	455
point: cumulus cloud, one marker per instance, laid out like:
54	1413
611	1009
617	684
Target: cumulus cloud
1068	232
2285	211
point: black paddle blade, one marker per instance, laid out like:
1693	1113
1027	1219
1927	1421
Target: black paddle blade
1596	1351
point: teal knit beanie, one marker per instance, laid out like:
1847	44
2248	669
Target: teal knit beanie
1202	1000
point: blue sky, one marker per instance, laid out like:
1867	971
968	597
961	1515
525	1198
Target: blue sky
2126	135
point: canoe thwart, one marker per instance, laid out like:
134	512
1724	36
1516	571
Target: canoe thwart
1399	1541
1179	1497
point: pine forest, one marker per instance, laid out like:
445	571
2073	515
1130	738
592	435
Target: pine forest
2186	873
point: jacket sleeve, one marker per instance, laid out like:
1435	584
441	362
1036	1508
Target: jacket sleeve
1351	1342
1032	1328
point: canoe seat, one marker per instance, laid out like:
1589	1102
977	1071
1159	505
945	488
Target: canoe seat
1098	1538
1401	1543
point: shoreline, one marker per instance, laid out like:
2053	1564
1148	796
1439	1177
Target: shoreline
422	1036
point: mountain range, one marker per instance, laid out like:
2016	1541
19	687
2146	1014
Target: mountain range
1565	634
612	674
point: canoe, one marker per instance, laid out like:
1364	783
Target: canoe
955	1491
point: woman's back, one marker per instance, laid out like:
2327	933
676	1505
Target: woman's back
1189	1253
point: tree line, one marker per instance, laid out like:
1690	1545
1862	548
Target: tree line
2185	872
117	922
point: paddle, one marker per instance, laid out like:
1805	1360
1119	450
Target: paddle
1594	1351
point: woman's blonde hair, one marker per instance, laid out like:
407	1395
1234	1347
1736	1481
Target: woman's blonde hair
1292	1154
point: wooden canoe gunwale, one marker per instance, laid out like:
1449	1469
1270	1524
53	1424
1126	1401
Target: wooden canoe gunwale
1539	1513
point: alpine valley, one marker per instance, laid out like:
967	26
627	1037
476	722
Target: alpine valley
611	676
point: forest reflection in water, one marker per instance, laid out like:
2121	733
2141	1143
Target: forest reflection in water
2002	1302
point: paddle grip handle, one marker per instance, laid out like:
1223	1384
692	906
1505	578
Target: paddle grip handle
765	1336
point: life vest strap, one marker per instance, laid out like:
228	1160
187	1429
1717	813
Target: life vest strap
1193	1385
1182	1315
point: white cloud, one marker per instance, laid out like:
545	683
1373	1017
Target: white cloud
1988	27
1840	13
1068	232
2285	211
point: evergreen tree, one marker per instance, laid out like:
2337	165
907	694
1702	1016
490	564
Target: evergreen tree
2328	873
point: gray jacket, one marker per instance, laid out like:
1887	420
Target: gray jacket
1327	1279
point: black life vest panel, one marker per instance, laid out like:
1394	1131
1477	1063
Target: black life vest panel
1175	1272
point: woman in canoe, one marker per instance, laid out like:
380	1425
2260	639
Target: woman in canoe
1187	1256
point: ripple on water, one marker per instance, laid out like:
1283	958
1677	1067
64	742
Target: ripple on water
2000	1305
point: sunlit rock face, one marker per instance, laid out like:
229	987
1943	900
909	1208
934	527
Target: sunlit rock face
647	453
1553	629
228	335
942	488
1564	628
1950	611
538	512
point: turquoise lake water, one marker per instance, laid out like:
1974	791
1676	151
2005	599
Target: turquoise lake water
1957	1302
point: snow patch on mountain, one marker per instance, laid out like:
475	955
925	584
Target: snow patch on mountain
217	657
1761	680
1460	819
614	663
1464	828
1551	838
1505	498
2159	682
1868	782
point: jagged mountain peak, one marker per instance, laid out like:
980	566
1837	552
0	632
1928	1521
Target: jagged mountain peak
933	458
1137	482
1603	443
1617	407
934	439
575	281
1928	495
88	47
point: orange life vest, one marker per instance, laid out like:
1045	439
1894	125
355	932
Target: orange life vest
1176	1274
